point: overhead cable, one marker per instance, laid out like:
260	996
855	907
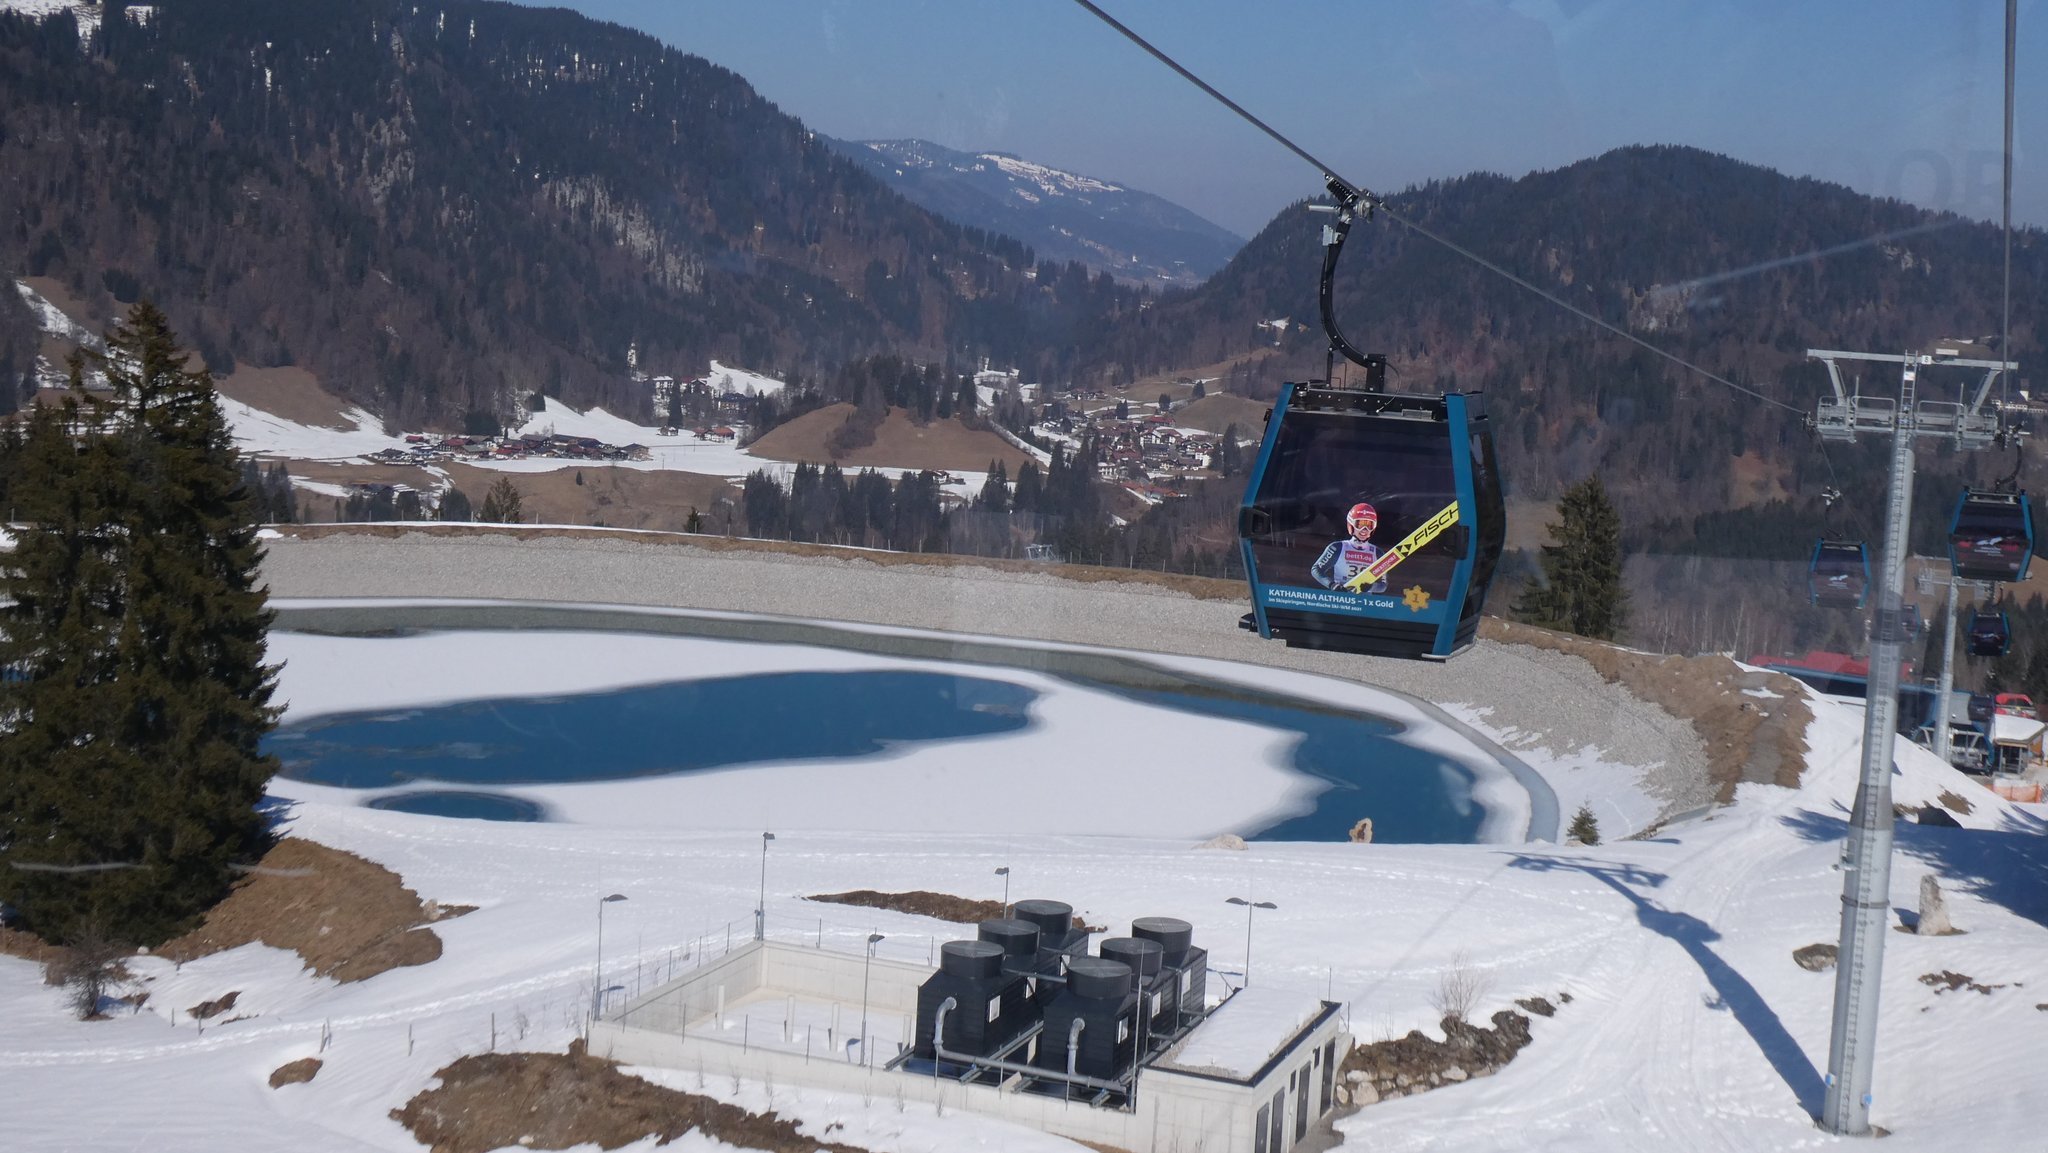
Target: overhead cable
1374	201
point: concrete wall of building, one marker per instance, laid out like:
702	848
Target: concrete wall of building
821	975
885	987
1175	1113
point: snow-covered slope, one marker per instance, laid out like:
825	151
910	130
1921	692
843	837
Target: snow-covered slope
724	377
261	433
1689	1026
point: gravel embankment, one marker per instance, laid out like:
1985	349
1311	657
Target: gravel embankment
1535	698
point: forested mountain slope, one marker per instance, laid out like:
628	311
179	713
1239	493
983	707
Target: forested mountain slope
439	207
1735	267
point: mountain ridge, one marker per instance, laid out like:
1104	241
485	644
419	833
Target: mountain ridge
1134	235
475	203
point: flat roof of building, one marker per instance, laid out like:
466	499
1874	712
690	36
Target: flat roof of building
1242	1036
2010	730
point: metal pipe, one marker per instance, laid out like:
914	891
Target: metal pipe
1867	855
939	1047
1943	742
1074	1046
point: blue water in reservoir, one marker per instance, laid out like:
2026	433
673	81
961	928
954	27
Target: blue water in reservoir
1413	796
461	803
649	731
693	726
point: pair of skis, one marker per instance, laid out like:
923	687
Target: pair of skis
1431	529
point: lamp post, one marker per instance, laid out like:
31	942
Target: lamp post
597	979
873	940
761	909
1248	907
1004	873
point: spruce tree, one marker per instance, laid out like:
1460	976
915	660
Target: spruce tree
1579	589
502	503
455	506
136	696
1585	827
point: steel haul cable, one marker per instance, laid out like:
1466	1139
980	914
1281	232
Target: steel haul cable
1378	203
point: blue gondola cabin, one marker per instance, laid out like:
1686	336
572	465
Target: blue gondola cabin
1373	522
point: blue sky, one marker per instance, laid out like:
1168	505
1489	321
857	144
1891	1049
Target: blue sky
1893	97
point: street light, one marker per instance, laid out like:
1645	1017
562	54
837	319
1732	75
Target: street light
873	940
1004	873
597	978
1248	907
761	910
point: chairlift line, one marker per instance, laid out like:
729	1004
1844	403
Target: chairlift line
1352	198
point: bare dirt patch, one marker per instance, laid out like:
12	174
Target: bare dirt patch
1418	1063
924	903
899	443
1215	372
335	472
349	918
1747	738
1948	982
29	947
1219	410
612	497
208	1010
556	1101
85	313
1754	478
1815	958
1954	801
1201	588
919	902
295	1072
287	391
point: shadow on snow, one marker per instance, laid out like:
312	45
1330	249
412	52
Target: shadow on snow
2007	866
1696	937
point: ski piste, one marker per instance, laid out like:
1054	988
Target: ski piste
1431	529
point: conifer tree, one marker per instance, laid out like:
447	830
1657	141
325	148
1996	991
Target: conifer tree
1579	589
136	696
455	505
502	502
1585	827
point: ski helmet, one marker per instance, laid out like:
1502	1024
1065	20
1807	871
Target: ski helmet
1362	514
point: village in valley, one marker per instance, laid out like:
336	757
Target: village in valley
1151	439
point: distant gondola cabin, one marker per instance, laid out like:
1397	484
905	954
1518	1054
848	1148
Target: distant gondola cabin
1839	574
1991	536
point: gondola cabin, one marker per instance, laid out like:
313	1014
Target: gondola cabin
1839	574
1373	522
1991	536
1990	633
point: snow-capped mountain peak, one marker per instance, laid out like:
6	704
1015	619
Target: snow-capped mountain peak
1064	216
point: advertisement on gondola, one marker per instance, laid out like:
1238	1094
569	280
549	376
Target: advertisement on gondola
1360	518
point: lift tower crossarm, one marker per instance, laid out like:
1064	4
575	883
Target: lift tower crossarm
1975	424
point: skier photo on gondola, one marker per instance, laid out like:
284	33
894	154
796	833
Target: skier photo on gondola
1345	559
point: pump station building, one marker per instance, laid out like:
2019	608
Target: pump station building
1120	1047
